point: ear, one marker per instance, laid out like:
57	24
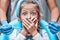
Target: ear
19	18
38	17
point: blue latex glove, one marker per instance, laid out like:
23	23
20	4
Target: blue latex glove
6	28
0	32
54	27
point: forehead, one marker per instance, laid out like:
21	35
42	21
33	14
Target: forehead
29	6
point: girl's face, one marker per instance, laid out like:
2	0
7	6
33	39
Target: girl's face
29	11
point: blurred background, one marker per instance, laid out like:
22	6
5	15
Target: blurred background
46	13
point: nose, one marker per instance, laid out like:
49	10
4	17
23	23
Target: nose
29	16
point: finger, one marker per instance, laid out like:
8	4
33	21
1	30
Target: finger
36	24
35	21
31	22
7	31
51	27
32	18
25	26
29	26
27	21
6	28
53	31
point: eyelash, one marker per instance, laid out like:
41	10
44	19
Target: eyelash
33	13
25	13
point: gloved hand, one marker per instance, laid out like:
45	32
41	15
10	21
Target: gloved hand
0	32
54	27
6	28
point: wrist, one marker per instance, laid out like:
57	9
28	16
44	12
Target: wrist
0	32
4	22
23	33
34	33
53	20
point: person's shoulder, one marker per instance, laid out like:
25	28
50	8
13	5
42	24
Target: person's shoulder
44	34
42	31
14	33
16	23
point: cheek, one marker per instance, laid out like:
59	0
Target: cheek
33	15
23	17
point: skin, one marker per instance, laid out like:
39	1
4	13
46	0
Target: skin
54	11
29	17
3	9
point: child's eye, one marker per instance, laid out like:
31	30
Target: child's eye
33	13
24	13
